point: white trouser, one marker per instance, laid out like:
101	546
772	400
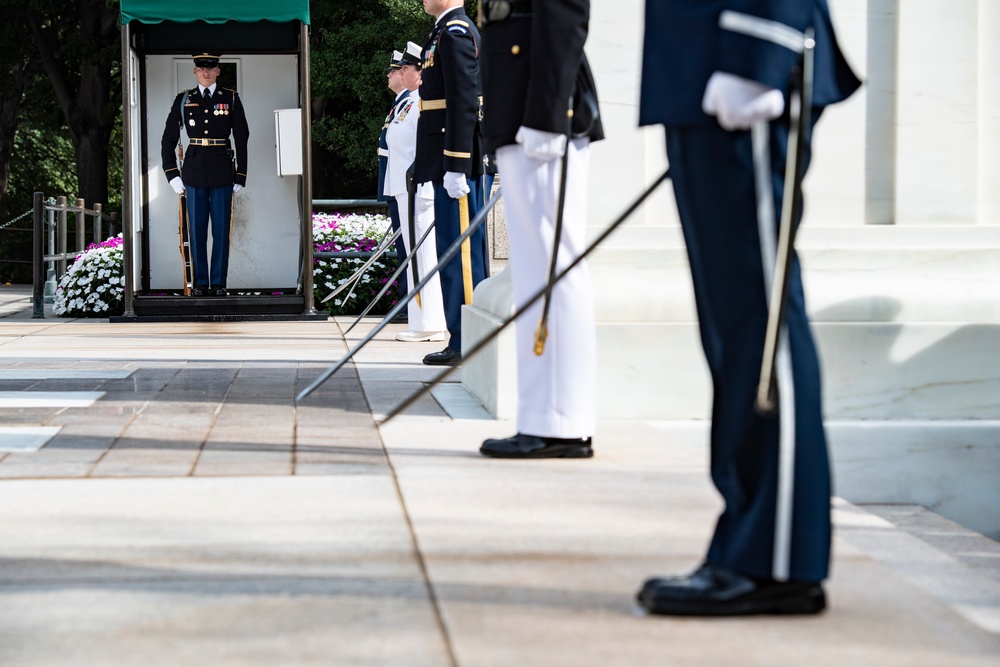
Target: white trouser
556	391
429	316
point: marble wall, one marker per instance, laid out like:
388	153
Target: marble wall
900	248
918	145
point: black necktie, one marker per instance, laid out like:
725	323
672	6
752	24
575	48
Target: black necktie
207	95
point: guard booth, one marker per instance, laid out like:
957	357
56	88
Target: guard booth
265	58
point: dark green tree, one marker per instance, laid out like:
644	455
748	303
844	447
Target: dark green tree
352	43
17	67
79	48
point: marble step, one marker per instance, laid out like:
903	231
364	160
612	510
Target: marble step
948	561
907	321
850	275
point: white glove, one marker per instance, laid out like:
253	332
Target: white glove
237	187
739	103
540	145
456	184
177	184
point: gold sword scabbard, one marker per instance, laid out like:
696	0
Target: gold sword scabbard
541	335
463	224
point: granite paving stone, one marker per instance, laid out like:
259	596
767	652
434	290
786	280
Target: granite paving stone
196	515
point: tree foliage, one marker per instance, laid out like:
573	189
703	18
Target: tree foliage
60	100
352	43
79	48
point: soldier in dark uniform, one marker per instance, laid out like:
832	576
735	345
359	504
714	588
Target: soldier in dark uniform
713	69
210	114
449	155
395	83
540	103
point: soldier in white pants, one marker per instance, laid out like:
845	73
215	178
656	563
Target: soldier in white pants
540	108
426	317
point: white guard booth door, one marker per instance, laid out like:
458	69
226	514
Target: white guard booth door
264	252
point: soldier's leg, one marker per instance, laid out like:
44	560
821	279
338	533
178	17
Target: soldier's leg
452	287
429	315
557	390
220	203
403	281
714	187
197	202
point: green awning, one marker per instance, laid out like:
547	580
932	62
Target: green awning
218	11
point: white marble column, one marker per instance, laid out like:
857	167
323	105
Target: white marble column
838	181
631	157
937	145
882	41
989	112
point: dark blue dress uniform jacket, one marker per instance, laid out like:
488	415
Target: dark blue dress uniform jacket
450	139
207	166
528	78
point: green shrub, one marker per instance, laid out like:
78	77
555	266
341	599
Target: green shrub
335	232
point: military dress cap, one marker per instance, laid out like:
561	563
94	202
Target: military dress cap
206	59
413	55
396	62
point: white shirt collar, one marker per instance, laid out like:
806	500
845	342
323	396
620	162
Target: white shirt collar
445	13
211	89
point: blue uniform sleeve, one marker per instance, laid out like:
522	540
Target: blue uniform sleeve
241	135
168	142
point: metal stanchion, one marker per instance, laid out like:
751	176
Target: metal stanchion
37	259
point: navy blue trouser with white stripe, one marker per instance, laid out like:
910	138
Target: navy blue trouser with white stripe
209	206
713	179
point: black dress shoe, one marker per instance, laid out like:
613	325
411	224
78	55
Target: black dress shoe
523	446
221	292
446	357
199	291
718	591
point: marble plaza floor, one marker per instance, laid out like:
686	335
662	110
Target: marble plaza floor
164	502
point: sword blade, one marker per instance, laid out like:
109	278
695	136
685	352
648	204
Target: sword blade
791	209
387	241
487	339
388	284
448	255
542	331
